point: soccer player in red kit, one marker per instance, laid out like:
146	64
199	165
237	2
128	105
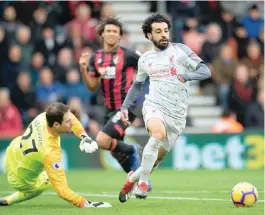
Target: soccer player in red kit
113	67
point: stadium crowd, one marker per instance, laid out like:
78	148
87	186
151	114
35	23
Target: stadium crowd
229	37
41	42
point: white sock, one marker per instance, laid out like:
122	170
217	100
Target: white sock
136	175
149	158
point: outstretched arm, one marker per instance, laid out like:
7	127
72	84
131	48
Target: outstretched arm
56	174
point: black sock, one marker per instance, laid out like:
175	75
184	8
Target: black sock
124	148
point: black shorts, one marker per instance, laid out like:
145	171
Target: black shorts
113	126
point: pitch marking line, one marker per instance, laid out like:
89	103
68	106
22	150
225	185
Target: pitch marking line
185	192
149	197
199	191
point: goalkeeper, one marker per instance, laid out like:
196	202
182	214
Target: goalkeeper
33	161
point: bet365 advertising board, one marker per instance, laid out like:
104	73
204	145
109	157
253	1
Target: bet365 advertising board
191	151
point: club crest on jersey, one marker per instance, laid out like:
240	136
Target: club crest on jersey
107	72
173	71
116	59
171	59
99	61
149	65
56	165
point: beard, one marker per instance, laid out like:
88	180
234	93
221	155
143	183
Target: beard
161	46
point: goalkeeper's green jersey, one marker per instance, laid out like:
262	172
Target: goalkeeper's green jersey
38	150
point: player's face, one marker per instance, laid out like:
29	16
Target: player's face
159	35
66	125
111	35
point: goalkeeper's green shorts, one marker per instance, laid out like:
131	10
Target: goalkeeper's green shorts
42	183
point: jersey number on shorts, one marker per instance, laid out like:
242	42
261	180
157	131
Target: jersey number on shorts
29	150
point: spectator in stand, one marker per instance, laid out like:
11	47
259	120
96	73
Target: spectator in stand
193	34
223	68
84	23
260	81
10	24
255	112
179	10
65	61
75	88
227	124
48	45
242	41
76	36
260	40
10	119
47	90
241	92
253	22
3	54
12	67
211	48
210	11
228	24
125	39
24	10
37	62
106	12
61	31
253	61
24	97
76	107
38	23
79	43
23	40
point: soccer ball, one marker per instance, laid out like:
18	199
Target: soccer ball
244	194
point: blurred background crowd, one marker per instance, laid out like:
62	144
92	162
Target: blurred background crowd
40	44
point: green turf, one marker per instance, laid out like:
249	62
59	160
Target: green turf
172	184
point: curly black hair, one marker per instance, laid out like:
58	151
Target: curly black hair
111	21
158	18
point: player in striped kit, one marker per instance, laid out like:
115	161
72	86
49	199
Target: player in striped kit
113	68
170	67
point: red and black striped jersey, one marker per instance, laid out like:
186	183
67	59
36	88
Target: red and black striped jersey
118	68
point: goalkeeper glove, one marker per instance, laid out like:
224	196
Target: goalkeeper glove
87	144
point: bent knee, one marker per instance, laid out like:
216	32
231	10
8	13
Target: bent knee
157	129
159	134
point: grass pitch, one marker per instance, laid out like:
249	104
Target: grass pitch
200	192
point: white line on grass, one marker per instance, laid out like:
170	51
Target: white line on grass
199	191
149	197
184	192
